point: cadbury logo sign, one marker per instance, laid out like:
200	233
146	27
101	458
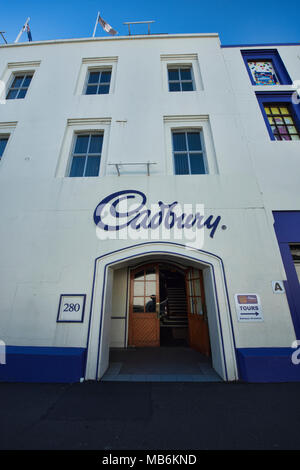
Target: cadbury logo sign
127	210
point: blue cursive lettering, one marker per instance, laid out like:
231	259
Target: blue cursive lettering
140	217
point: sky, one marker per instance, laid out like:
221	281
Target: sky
237	22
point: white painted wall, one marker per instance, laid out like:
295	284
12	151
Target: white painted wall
276	164
48	235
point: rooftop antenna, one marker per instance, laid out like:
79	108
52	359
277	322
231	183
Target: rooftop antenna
139	22
2	34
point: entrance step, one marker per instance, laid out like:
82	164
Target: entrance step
161	378
159	365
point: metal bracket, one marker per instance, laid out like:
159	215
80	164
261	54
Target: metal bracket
139	22
117	166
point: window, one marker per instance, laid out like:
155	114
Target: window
188	152
19	86
86	142
281	115
98	82
3	142
263	72
265	67
281	121
180	78
96	75
295	252
86	155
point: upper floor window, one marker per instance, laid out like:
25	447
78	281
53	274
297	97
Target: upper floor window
263	72
295	252
19	86
281	115
188	152
86	155
180	78
265	67
98	82
3	142
281	121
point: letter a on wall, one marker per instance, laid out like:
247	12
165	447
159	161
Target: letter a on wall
278	287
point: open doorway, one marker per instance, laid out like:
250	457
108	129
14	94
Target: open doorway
167	308
112	297
168	337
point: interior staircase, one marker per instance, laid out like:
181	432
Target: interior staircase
177	308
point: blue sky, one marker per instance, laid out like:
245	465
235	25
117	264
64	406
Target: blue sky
237	22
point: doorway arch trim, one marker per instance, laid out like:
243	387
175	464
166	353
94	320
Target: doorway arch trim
146	254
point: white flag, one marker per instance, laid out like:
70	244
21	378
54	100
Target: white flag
106	26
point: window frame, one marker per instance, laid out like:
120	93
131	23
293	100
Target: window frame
278	98
193	122
277	126
268	55
185	130
293	246
97	69
95	63
178	67
4	136
181	60
286	227
74	140
15	74
85	126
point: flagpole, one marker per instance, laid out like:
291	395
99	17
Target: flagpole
96	24
22	30
2	34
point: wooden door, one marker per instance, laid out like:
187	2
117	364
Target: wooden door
144	324
197	314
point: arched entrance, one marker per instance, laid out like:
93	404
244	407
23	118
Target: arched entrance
167	307
222	344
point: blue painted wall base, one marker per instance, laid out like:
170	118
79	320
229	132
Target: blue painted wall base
43	364
267	365
67	365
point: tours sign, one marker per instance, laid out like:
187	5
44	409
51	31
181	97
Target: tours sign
248	307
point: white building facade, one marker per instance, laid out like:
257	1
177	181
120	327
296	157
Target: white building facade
131	166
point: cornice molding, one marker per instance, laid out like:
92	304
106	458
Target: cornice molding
17	65
88	121
113	38
99	60
7	125
186	118
166	57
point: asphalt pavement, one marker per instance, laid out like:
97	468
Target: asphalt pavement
149	416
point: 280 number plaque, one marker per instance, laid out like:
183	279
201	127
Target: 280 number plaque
71	308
